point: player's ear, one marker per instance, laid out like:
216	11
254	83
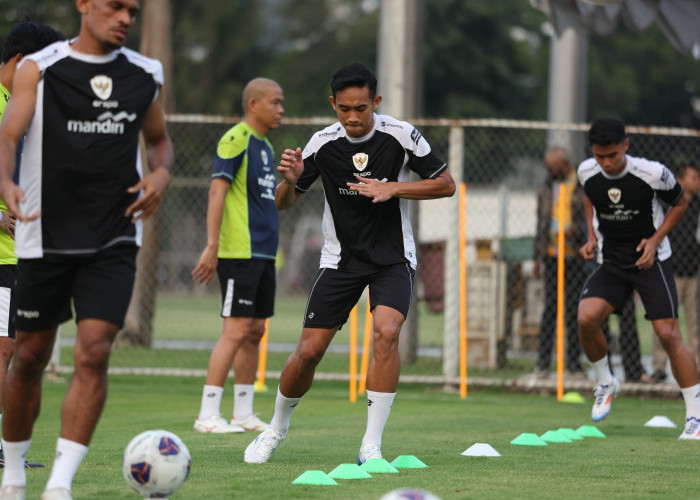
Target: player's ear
377	100
332	101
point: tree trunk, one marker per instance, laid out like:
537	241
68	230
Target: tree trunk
156	25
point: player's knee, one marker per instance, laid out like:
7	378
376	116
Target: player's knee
92	357
670	337
310	354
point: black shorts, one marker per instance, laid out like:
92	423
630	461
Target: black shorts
100	285
336	292
655	286
247	288
8	274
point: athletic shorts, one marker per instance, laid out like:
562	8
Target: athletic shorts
99	284
335	293
655	287
8	274
247	288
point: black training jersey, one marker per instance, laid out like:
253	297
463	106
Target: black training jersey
627	207
81	150
360	234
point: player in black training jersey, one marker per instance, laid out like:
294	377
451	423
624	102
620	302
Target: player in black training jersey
627	232
79	205
364	162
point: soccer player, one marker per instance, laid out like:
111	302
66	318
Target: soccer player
79	205
627	225
24	38
364	161
242	236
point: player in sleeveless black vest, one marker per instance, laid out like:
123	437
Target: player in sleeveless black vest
99	161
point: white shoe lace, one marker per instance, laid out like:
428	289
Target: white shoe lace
370	451
691	426
267	442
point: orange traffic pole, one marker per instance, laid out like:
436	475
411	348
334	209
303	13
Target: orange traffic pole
353	354
462	292
366	346
262	359
560	292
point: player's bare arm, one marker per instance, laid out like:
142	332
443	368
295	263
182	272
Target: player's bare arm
7	224
206	267
18	115
648	246
291	167
425	189
159	151
588	249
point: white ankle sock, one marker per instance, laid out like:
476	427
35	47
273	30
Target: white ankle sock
211	401
602	371
378	408
243	401
69	456
15	453
691	396
284	407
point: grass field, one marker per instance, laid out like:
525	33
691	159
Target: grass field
632	462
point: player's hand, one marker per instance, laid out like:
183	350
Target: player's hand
648	248
153	186
13	195
291	165
588	250
206	266
7	224
372	188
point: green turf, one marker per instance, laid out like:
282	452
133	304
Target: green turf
632	462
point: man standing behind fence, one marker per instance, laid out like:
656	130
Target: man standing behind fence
627	226
686	261
80	209
364	161
560	172
242	236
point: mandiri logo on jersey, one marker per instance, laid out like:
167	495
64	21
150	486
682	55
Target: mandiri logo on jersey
614	194
101	86
360	161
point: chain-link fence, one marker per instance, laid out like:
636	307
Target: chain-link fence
501	163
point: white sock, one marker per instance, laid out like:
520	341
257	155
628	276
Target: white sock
69	456
378	408
602	371
15	453
283	413
691	396
211	401
243	401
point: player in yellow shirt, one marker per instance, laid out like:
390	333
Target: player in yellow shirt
24	38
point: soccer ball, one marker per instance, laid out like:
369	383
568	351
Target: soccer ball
156	463
409	494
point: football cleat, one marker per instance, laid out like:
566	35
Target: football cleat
604	395
367	452
12	493
692	429
252	423
262	448
56	494
216	424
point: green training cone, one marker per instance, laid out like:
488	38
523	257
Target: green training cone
378	466
260	388
573	397
348	471
529	439
408	462
590	431
555	437
571	434
316	477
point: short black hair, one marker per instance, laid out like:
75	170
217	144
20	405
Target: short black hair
606	131
354	75
28	37
683	169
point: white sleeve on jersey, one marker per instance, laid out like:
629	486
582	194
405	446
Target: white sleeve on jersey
407	135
